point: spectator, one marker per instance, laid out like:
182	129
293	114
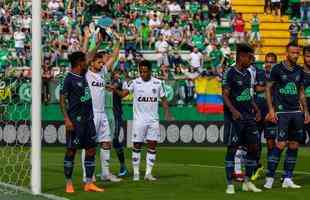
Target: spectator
294	29
306	33
215	11
177	35
20	38
162	48
295	5
239	28
174	8
276	7
305	12
145	36
130	40
198	41
47	76
155	25
196	60
284	6
217	59
55	7
225	7
166	32
268	7
226	51
255	32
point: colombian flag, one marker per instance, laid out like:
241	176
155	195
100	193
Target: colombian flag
209	95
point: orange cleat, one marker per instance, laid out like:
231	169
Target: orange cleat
91	187
69	187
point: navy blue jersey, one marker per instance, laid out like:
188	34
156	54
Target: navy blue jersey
76	91
260	81
239	85
307	87
286	85
117	100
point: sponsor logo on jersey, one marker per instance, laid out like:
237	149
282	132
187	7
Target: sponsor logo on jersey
245	95
87	95
79	84
289	89
156	82
147	99
98	84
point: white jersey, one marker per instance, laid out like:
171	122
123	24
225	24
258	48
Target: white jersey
146	96
96	83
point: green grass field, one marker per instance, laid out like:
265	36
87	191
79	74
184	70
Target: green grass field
184	173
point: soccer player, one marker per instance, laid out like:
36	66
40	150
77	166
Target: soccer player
285	93
306	53
147	92
96	77
268	128
117	112
76	105
240	113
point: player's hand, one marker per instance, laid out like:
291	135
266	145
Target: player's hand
258	116
236	115
307	118
68	124
272	117
110	87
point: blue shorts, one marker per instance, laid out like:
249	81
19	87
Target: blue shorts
241	133
83	136
290	126
270	131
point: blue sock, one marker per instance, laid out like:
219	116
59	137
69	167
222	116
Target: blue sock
89	167
230	165
290	162
273	161
68	166
250	164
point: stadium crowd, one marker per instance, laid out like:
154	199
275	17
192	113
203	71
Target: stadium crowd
206	30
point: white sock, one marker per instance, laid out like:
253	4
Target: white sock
83	166
136	158
238	161
150	160
105	162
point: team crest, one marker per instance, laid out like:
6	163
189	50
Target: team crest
79	84
154	91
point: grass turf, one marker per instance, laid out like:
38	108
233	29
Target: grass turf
183	172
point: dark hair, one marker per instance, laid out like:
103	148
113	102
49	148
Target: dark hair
293	43
245	48
76	57
271	54
146	63
306	49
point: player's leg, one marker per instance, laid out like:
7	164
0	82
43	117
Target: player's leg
295	137
232	140
69	159
239	162
152	137
89	143
138	135
68	168
275	154
118	146
251	139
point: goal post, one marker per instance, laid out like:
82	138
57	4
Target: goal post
36	85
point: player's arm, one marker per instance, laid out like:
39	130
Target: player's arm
91	54
64	92
303	101
165	106
109	64
227	82
272	114
257	111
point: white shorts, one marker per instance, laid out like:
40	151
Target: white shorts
102	127
142	131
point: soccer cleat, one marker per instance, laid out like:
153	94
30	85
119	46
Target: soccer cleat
269	183
123	172
250	187
111	178
149	177
259	173
69	187
136	177
230	189
91	187
239	176
288	183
